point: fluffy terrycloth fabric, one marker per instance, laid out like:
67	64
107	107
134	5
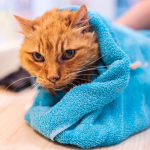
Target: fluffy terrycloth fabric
113	106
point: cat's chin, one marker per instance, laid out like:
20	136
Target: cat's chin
59	89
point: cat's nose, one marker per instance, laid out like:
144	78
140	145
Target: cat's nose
53	79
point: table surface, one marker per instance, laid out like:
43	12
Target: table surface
15	134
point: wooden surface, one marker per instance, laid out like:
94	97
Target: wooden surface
15	134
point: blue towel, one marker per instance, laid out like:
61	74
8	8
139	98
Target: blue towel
113	106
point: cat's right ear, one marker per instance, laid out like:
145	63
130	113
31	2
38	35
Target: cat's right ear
80	18
26	25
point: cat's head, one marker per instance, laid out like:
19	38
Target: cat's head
57	46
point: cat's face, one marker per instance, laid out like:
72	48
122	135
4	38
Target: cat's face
56	46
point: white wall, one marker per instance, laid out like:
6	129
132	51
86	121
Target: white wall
9	60
105	7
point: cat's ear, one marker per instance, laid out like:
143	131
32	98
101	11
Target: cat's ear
80	18
26	25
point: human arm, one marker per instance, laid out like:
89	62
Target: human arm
137	17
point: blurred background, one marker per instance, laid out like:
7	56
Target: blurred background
10	40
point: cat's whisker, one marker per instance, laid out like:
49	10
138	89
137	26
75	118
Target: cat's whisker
17	81
87	65
26	89
87	74
92	67
14	91
92	62
98	66
3	110
20	86
82	79
89	69
72	84
96	59
106	66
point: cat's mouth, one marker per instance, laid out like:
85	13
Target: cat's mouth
59	88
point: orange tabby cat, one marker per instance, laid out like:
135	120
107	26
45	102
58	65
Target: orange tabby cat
57	47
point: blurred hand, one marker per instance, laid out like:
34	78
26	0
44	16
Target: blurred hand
138	17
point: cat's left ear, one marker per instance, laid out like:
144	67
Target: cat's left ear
80	18
28	26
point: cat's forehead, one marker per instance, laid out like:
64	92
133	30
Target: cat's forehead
53	32
53	42
56	20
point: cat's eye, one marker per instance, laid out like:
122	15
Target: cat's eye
38	57
68	54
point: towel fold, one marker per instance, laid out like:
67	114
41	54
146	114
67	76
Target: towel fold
113	106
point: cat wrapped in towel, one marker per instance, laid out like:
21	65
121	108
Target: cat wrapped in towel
87	95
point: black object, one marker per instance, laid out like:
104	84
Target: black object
11	80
